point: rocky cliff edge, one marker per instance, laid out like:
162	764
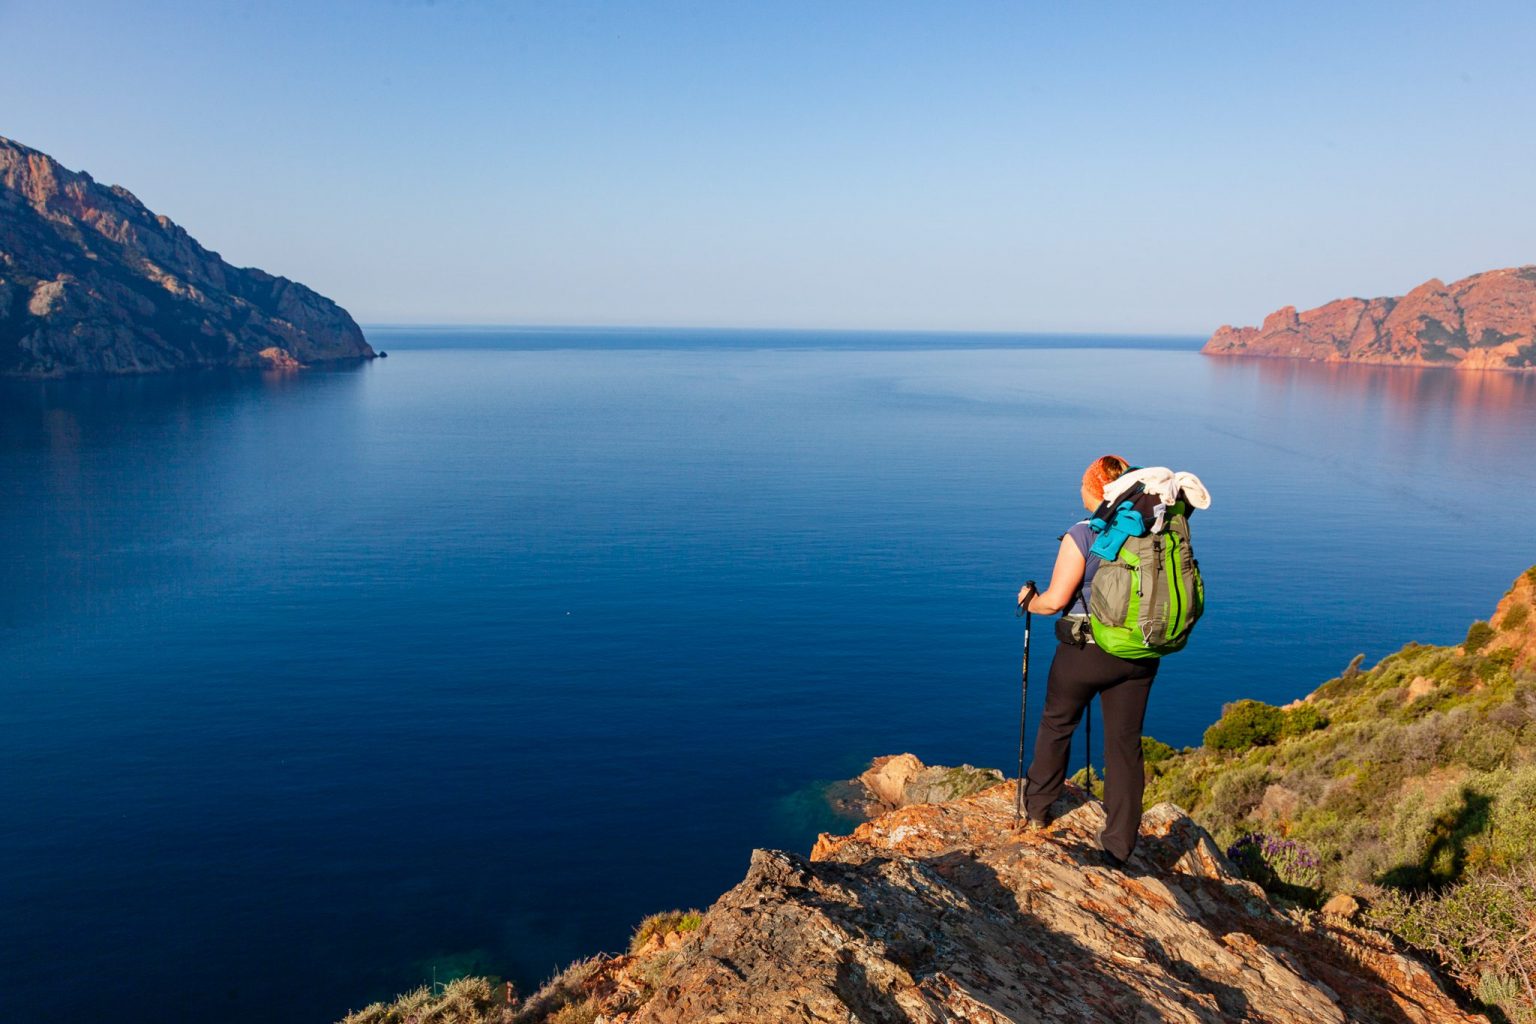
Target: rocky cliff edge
944	912
93	282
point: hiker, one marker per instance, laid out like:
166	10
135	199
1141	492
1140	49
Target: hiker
1081	671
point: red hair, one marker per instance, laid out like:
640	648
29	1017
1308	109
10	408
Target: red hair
1102	471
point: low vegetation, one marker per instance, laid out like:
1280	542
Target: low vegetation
663	924
1411	784
463	1001
574	996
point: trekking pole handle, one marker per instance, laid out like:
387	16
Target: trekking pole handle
1031	591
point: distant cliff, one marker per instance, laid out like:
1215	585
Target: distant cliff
92	282
1483	322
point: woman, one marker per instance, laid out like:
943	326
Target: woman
1080	672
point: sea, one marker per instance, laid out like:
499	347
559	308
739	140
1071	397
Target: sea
319	687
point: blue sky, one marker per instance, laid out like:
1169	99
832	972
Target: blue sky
1080	167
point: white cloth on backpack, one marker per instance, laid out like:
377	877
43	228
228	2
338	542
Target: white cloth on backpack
1163	482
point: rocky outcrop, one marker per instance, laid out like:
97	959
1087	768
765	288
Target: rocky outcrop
92	282
1514	623
900	780
1483	322
944	912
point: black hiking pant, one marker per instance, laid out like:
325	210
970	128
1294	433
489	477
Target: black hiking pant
1078	674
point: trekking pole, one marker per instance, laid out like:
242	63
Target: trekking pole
1088	749
1018	804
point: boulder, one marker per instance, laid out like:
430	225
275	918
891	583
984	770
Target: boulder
900	780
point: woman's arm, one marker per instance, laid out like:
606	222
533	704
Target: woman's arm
1065	579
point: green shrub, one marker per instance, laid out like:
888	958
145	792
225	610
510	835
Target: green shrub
1247	723
1455	671
1499	661
1479	929
1090	780
1477	637
1182	790
1302	719
1346	681
1515	617
1236	793
1153	751
1485	747
1512	831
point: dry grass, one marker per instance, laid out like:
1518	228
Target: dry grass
1483	930
681	921
562	999
464	1001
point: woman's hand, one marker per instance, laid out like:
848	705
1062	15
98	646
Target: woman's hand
1026	592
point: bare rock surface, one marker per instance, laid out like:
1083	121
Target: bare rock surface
901	780
1483	322
93	282
943	912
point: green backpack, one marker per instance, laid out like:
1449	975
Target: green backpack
1146	600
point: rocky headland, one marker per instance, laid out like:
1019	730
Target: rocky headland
1483	322
93	282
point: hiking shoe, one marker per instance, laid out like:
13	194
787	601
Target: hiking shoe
1108	860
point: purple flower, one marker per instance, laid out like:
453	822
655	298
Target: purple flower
1269	859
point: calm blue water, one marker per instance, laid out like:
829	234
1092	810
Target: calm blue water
472	656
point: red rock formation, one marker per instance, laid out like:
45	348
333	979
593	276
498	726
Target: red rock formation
1483	322
275	358
92	282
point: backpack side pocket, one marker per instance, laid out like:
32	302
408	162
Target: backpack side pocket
1110	600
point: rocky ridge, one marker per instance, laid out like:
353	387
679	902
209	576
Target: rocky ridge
1483	322
93	282
1514	623
945	912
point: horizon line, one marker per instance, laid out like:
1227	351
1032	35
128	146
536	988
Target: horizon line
982	332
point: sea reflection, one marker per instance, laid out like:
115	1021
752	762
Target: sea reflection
63	415
1491	391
